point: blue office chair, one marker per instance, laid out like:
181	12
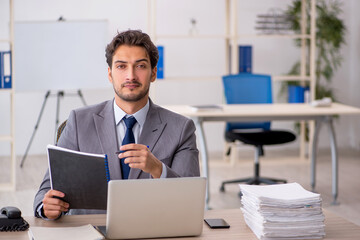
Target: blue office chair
252	88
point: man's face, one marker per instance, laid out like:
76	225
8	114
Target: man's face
131	73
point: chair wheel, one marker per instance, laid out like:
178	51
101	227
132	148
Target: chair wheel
222	188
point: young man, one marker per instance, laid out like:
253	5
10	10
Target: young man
165	144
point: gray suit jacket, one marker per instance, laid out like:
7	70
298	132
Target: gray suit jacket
170	137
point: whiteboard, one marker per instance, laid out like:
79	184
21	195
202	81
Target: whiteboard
60	55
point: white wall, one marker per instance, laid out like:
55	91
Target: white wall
346	81
353	37
183	58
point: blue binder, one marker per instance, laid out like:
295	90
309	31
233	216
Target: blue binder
5	70
160	65
296	94
1	70
245	59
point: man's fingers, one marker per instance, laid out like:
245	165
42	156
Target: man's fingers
130	150
55	201
142	151
50	207
132	146
53	211
55	207
52	193
139	156
137	165
135	159
133	154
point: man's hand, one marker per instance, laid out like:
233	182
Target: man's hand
139	156
53	206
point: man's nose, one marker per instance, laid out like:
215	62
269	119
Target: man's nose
131	74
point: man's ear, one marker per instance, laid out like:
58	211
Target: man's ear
153	74
109	75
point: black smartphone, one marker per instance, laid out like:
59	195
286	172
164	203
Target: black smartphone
217	223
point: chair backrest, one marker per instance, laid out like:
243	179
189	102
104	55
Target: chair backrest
246	88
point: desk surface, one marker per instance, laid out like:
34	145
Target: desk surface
336	227
270	112
275	109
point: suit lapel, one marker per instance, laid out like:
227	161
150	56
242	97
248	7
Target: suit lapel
151	132
106	130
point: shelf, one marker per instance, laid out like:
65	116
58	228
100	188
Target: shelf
7	187
6	90
6	138
291	78
5	40
288	36
282	78
199	36
190	78
275	78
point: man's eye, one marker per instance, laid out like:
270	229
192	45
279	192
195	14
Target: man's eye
121	66
141	66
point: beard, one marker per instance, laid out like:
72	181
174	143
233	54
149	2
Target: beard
132	97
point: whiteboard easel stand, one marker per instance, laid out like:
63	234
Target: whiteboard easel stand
60	94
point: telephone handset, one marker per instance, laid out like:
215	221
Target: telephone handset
11	220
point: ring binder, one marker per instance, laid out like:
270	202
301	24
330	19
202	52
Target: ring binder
107	168
5	70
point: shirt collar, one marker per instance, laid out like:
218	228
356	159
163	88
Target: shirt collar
140	115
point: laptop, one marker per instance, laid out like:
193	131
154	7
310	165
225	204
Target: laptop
154	208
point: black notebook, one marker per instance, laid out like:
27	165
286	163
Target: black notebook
81	176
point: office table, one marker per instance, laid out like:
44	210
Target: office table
335	226
269	112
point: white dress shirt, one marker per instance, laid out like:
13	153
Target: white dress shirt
140	117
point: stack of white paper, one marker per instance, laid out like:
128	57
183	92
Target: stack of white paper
282	211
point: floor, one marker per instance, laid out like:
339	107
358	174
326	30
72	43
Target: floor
276	163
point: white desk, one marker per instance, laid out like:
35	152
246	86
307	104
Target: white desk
335	226
269	112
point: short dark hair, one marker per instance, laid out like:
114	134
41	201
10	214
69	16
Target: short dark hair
132	38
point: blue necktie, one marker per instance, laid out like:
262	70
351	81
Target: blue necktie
129	138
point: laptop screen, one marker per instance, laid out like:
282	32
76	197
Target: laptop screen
148	208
